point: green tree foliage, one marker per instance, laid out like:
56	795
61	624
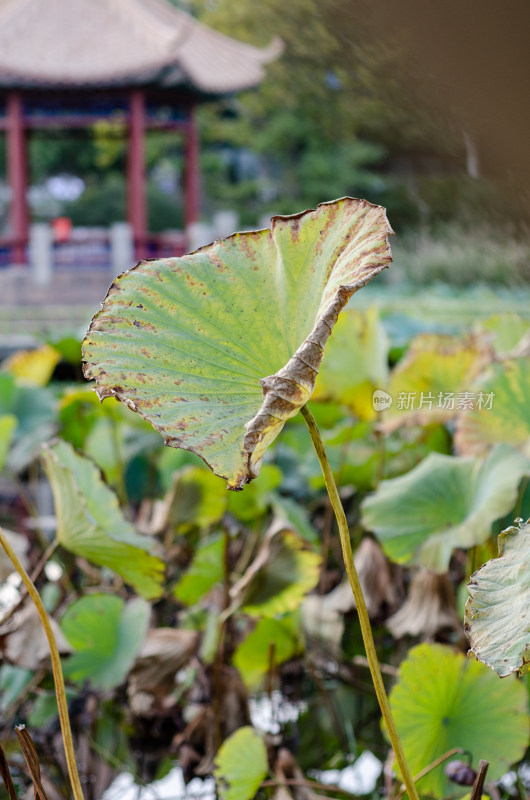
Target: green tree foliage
332	107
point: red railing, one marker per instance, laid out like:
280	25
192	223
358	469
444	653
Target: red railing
90	248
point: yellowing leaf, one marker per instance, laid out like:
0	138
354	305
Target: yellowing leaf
425	386
219	348
283	572
503	415
33	366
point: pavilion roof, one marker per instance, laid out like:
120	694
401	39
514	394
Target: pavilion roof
104	43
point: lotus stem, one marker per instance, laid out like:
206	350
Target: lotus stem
366	628
58	678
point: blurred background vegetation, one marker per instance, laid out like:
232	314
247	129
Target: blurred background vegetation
358	104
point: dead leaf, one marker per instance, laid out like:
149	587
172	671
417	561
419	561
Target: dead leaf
286	769
32	760
323	616
199	741
23	641
6	776
429	608
152	678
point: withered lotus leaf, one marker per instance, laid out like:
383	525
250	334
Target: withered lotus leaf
219	348
497	610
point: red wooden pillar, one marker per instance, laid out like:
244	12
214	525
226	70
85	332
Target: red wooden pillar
192	197
136	197
17	176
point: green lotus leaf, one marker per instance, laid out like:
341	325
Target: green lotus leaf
444	700
253	656
241	765
443	503
428	384
497	611
90	522
106	635
219	348
34	409
45	710
13	682
206	569
503	413
276	582
356	362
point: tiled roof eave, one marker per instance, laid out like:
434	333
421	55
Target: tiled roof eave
89	44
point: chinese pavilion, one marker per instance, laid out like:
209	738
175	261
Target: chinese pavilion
70	63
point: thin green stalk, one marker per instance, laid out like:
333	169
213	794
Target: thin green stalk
366	628
56	667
